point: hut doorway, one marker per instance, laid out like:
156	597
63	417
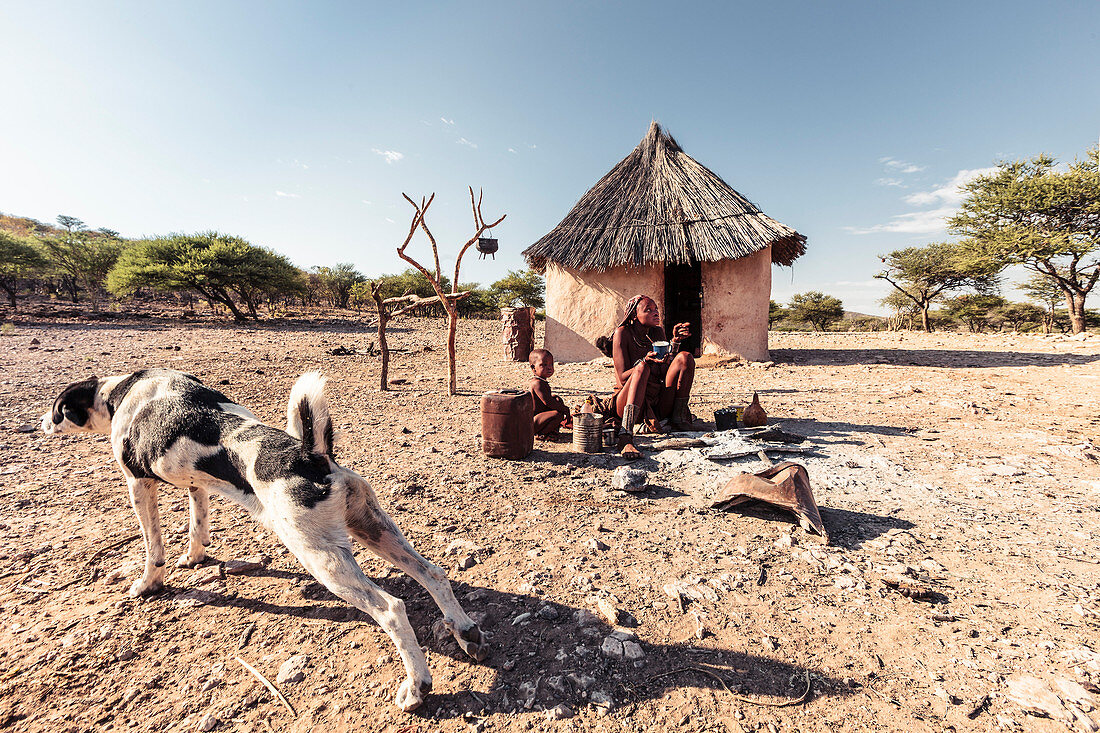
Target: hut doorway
684	302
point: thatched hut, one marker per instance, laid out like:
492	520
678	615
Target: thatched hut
662	224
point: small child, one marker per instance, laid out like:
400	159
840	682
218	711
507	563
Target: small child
551	414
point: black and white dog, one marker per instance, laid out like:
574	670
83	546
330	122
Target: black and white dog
166	426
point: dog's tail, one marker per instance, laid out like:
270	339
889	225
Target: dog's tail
307	415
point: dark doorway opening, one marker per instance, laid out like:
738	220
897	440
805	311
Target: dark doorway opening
684	302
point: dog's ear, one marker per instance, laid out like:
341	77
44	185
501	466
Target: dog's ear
75	402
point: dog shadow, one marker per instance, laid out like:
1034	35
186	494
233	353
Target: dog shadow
544	652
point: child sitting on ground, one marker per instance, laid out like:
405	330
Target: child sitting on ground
551	414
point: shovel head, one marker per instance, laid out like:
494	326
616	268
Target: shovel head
784	485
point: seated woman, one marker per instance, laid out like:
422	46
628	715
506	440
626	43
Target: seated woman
648	387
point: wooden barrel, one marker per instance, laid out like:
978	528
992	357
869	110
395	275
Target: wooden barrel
507	423
517	332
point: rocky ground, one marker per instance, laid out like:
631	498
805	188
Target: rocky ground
961	469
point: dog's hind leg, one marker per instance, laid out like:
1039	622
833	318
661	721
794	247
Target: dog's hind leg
334	565
143	498
198	530
369	524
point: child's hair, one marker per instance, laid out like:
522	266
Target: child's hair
603	343
538	354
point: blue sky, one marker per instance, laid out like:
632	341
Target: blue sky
298	126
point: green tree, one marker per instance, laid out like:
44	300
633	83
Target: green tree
410	282
20	260
527	287
817	309
337	282
1048	293
776	313
1023	316
974	310
1048	220
923	274
216	266
83	256
904	312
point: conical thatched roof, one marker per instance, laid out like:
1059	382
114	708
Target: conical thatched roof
659	205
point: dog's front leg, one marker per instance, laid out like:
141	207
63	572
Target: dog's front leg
199	529
143	497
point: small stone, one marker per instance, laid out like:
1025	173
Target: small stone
584	617
521	618
239	567
595	544
383	659
770	643
602	702
293	669
785	542
467	562
609	611
844	581
559	712
630	480
207	723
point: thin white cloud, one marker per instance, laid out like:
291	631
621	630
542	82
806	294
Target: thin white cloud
889	182
391	221
299	164
368	203
900	166
511	150
390	156
532	146
445	121
285	195
950	193
464	141
946	199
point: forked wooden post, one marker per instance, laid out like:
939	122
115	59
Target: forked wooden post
449	301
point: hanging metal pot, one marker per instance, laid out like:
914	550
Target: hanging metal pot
487	246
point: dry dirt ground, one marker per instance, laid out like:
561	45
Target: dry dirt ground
965	461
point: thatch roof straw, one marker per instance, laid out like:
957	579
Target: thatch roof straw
659	205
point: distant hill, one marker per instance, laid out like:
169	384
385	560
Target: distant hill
854	316
24	226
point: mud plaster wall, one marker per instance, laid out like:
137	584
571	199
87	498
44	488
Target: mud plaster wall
582	306
735	306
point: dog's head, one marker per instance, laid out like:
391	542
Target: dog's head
79	408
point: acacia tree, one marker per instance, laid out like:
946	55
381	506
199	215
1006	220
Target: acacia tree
904	310
923	274
817	309
337	282
1041	289
449	300
526	287
85	257
216	266
1047	220
19	260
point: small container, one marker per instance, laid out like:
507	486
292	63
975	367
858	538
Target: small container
609	436
661	348
587	428
726	418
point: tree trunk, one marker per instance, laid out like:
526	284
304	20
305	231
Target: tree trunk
924	321
383	316
452	313
1076	304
